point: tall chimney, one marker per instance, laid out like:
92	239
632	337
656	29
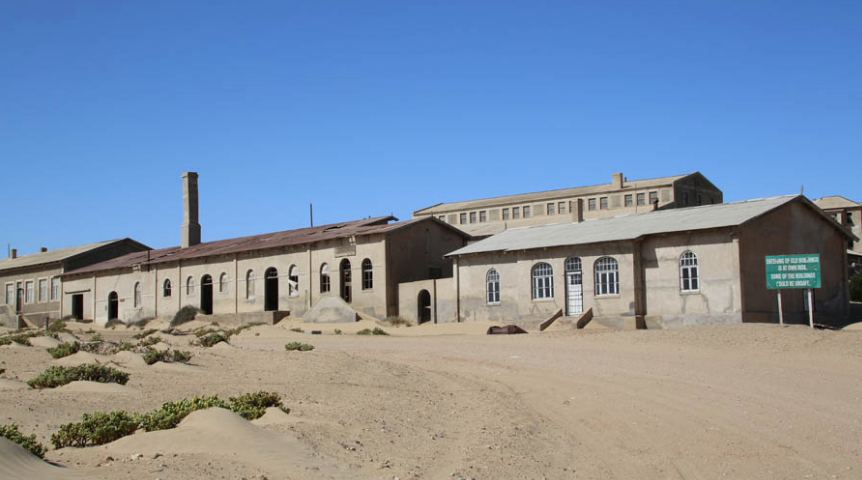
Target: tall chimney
14	253
43	249
191	229
617	180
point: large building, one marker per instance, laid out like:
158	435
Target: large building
33	284
481	218
660	269
846	212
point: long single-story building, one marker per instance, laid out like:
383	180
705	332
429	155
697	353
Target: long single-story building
660	269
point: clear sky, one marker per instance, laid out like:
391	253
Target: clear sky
369	108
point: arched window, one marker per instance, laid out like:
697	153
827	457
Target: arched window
190	286
607	276
293	281
324	278
166	288
492	287
222	283
249	284
367	275
573	265
137	294
688	279
543	281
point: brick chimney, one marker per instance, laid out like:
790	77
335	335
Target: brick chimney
43	249
617	180
190	232
14	253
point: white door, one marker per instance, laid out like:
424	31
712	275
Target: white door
574	294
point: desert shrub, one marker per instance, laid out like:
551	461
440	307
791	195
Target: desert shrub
856	287
171	413
97	338
57	326
398	321
376	331
299	347
58	376
152	356
145	333
338	331
19	338
95	429
211	339
112	323
240	328
126	346
184	315
252	406
29	443
181	356
204	331
148	342
297	330
64	349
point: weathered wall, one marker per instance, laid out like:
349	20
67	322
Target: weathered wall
695	186
442	293
36	311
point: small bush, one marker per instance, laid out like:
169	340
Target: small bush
398	321
97	338
29	443
338	331
297	330
171	413
112	323
181	356
19	338
148	342
58	376
57	326
252	406
204	331
95	429
126	346
376	331
145	333
212	339
152	356
64	349
856	287
185	315
300	347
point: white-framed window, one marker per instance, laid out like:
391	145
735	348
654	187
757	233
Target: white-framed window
166	288
641	199
222	283
28	291
324	278
55	288
573	265
607	276
472	217
492	287
543	281
603	203
628	199
591	204
249	284
367	274
689	281
293	281
10	294
43	290
190	286
137	294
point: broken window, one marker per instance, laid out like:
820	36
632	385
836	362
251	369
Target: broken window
324	278
367	275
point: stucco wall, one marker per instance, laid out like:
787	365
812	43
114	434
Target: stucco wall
35	311
442	294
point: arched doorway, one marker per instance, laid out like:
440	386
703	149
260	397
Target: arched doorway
346	288
270	290
207	294
113	306
424	303
574	287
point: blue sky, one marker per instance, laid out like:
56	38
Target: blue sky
370	108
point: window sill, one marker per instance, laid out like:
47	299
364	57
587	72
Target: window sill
608	296
689	292
543	300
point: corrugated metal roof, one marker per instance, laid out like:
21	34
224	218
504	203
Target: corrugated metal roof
627	227
51	256
835	201
628	187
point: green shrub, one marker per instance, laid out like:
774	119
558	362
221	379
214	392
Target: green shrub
126	346
29	443
21	339
145	333
338	331
95	429
212	339
297	330
398	321
64	349
57	326
296	346
184	315
204	331
376	331
152	356
148	342
252	406
179	356
856	287
171	413
97	338
58	376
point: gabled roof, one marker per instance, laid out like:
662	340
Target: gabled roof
632	226
628	186
835	201
59	255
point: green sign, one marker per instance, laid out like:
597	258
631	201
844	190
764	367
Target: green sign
792	271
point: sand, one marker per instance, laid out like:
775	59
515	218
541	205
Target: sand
739	401
18	463
6	384
44	342
94	387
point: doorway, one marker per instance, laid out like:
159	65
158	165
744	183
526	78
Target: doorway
346	287
113	306
424	305
574	287
207	294
19	300
270	290
78	306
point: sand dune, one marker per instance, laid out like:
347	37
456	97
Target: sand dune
16	463
6	384
273	416
81	358
128	359
45	342
14	345
94	387
853	326
217	431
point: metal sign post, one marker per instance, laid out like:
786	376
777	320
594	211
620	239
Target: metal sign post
780	310
793	272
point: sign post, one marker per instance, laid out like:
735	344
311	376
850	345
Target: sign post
793	272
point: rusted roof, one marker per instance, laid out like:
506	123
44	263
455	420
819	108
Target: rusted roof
58	255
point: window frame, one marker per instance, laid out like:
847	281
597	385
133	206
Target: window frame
629	200
137	295
167	291
293	291
492	287
505	214
549	209
526	211
29	288
603	203
42	290
54	295
653	197
606	273
483	216
190	286
472	217
223	281
249	284
462	219
367	268
561	208
516	213
641	199
591	204
542	281
325	279
10	294
689	272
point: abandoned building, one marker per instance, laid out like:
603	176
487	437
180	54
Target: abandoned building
481	218
849	214
322	273
660	269
33	284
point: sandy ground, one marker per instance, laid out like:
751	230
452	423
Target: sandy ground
743	401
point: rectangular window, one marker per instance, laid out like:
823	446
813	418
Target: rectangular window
43	290
849	218
641	199
591	204
483	216
561	208
463	218
526	212
603	203
472	217
505	214
28	292
10	294
550	209
653	197
55	289
516	213
442	218
570	206
629	200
